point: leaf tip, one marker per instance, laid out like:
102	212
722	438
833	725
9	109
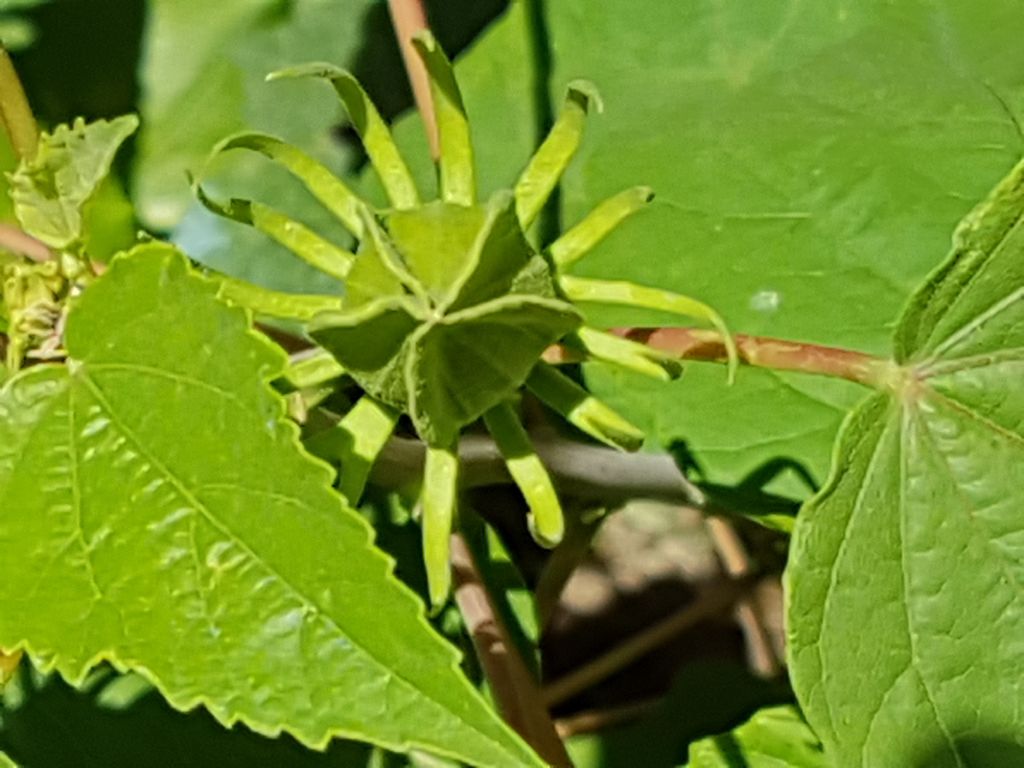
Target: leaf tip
321	69
585	93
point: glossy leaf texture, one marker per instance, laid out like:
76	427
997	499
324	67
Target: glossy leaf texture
808	163
158	513
51	190
776	737
906	607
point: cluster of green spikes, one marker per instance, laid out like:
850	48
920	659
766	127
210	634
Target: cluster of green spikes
445	310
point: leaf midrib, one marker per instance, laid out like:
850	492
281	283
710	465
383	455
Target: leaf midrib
302	598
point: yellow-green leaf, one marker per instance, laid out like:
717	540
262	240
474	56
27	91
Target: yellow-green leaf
157	511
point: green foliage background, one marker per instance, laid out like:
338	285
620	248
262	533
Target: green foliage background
810	161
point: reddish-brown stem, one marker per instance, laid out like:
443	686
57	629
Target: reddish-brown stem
756	351
409	17
515	690
17	241
593	720
764	352
737	564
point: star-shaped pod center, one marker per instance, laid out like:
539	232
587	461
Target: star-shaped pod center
447	310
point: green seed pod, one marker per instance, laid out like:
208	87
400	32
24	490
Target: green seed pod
447	307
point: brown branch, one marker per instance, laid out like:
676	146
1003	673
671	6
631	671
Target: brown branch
711	601
515	690
409	17
586	471
600	719
736	563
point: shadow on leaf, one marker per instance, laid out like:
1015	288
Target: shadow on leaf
120	722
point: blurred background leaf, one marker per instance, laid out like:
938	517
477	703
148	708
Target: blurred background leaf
810	161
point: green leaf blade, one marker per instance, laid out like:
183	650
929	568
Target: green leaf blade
51	190
975	300
177	529
906	578
777	222
776	737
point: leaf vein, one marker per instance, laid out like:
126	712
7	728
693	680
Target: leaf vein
915	655
297	593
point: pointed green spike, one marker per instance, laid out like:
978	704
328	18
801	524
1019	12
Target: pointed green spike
380	146
313	369
458	174
263	301
625	353
355	442
548	163
297	238
583	410
596	225
439	500
327	188
630	294
547	523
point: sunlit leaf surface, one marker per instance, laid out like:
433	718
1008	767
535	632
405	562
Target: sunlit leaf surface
50	191
157	512
808	160
906	579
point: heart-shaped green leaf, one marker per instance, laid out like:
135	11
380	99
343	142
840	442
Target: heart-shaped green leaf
803	187
157	512
906	578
